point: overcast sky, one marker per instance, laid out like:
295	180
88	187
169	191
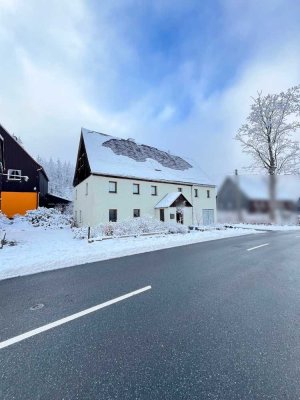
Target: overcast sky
178	75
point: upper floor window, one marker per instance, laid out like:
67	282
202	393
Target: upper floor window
208	194
196	192
14	174
112	187
154	190
76	194
136	188
86	188
179	189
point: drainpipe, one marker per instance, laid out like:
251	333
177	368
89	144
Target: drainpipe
192	201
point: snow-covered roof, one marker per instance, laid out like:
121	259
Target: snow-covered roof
168	200
112	156
256	186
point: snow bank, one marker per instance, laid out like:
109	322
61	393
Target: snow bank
39	249
267	227
4	221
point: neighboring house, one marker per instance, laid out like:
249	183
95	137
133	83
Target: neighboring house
250	193
24	183
116	179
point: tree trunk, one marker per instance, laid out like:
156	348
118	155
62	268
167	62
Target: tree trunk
272	195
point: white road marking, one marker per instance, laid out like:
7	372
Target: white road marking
62	321
257	247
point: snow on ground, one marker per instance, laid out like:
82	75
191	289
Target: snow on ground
38	249
268	227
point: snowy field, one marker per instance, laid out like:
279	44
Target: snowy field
38	249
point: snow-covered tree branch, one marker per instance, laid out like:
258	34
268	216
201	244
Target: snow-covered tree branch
60	176
268	134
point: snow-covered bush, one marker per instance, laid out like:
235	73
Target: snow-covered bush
133	226
3	220
47	218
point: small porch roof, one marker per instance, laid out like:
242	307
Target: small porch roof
171	198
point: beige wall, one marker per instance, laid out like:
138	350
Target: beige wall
94	206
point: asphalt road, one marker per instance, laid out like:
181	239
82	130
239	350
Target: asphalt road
219	322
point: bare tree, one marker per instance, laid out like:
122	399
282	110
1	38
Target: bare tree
267	136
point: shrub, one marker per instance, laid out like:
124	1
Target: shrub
47	218
133	226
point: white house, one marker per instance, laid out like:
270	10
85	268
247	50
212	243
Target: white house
116	179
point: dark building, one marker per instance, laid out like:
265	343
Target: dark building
23	182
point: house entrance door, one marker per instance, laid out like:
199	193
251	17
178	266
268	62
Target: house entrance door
179	217
208	217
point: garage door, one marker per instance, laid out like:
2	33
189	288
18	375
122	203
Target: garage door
208	217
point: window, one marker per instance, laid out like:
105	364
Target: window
80	216
14	174
76	216
112	187
76	194
136	188
208	193
86	188
179	189
162	214
136	213
113	215
172	216
154	190
196	192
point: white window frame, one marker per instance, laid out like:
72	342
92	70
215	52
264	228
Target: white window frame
136	185
11	175
115	186
153	190
139	212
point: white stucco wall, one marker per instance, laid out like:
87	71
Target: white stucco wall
94	206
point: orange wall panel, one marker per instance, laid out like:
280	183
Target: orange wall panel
13	203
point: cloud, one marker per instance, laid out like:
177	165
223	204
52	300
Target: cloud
170	74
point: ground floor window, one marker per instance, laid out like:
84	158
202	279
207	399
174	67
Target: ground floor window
136	213
113	215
